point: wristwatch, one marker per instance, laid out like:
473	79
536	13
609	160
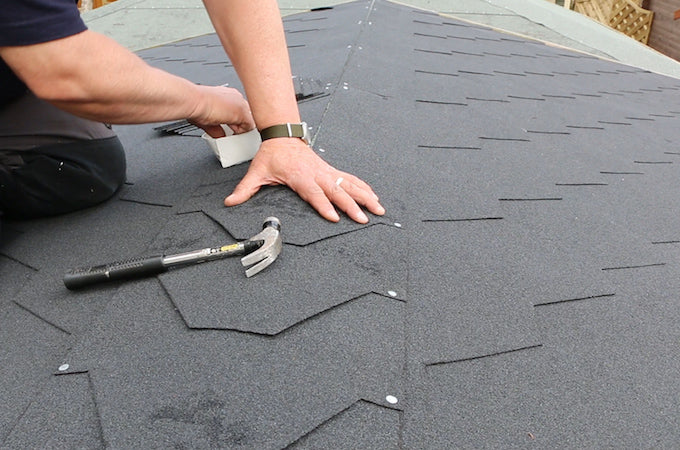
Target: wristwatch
298	130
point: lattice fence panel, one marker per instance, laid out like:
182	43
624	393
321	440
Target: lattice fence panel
87	5
599	10
631	19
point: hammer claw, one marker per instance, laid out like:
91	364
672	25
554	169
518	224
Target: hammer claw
268	251
257	268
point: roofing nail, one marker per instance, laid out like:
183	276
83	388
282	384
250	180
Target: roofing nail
391	399
392	293
63	367
397	224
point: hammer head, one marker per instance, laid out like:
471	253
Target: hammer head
270	236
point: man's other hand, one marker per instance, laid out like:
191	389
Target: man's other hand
289	161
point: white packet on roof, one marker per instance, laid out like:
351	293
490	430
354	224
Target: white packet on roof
234	148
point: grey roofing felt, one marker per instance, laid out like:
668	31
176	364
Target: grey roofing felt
140	24
521	290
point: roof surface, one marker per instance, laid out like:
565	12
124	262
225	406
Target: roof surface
520	291
140	24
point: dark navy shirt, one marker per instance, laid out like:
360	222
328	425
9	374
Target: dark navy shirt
25	22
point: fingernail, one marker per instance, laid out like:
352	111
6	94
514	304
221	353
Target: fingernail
380	211
362	217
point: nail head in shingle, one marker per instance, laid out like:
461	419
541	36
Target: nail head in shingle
397	224
63	367
391	399
392	293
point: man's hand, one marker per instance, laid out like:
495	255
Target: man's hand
222	105
291	162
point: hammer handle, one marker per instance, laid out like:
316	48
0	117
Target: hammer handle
148	266
122	270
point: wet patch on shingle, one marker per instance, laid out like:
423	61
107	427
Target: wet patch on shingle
238	388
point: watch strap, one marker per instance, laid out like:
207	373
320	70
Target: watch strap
298	130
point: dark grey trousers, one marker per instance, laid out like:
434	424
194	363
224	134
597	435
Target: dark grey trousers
60	178
52	162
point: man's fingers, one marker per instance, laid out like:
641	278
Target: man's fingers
340	196
360	193
215	131
316	197
361	184
345	194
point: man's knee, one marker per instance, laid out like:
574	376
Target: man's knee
61	178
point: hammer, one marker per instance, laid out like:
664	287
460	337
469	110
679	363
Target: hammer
260	251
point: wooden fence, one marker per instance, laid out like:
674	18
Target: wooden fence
87	5
632	20
626	16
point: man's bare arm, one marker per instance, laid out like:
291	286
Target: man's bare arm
252	34
94	77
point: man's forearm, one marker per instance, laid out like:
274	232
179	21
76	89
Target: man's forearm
92	76
252	34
